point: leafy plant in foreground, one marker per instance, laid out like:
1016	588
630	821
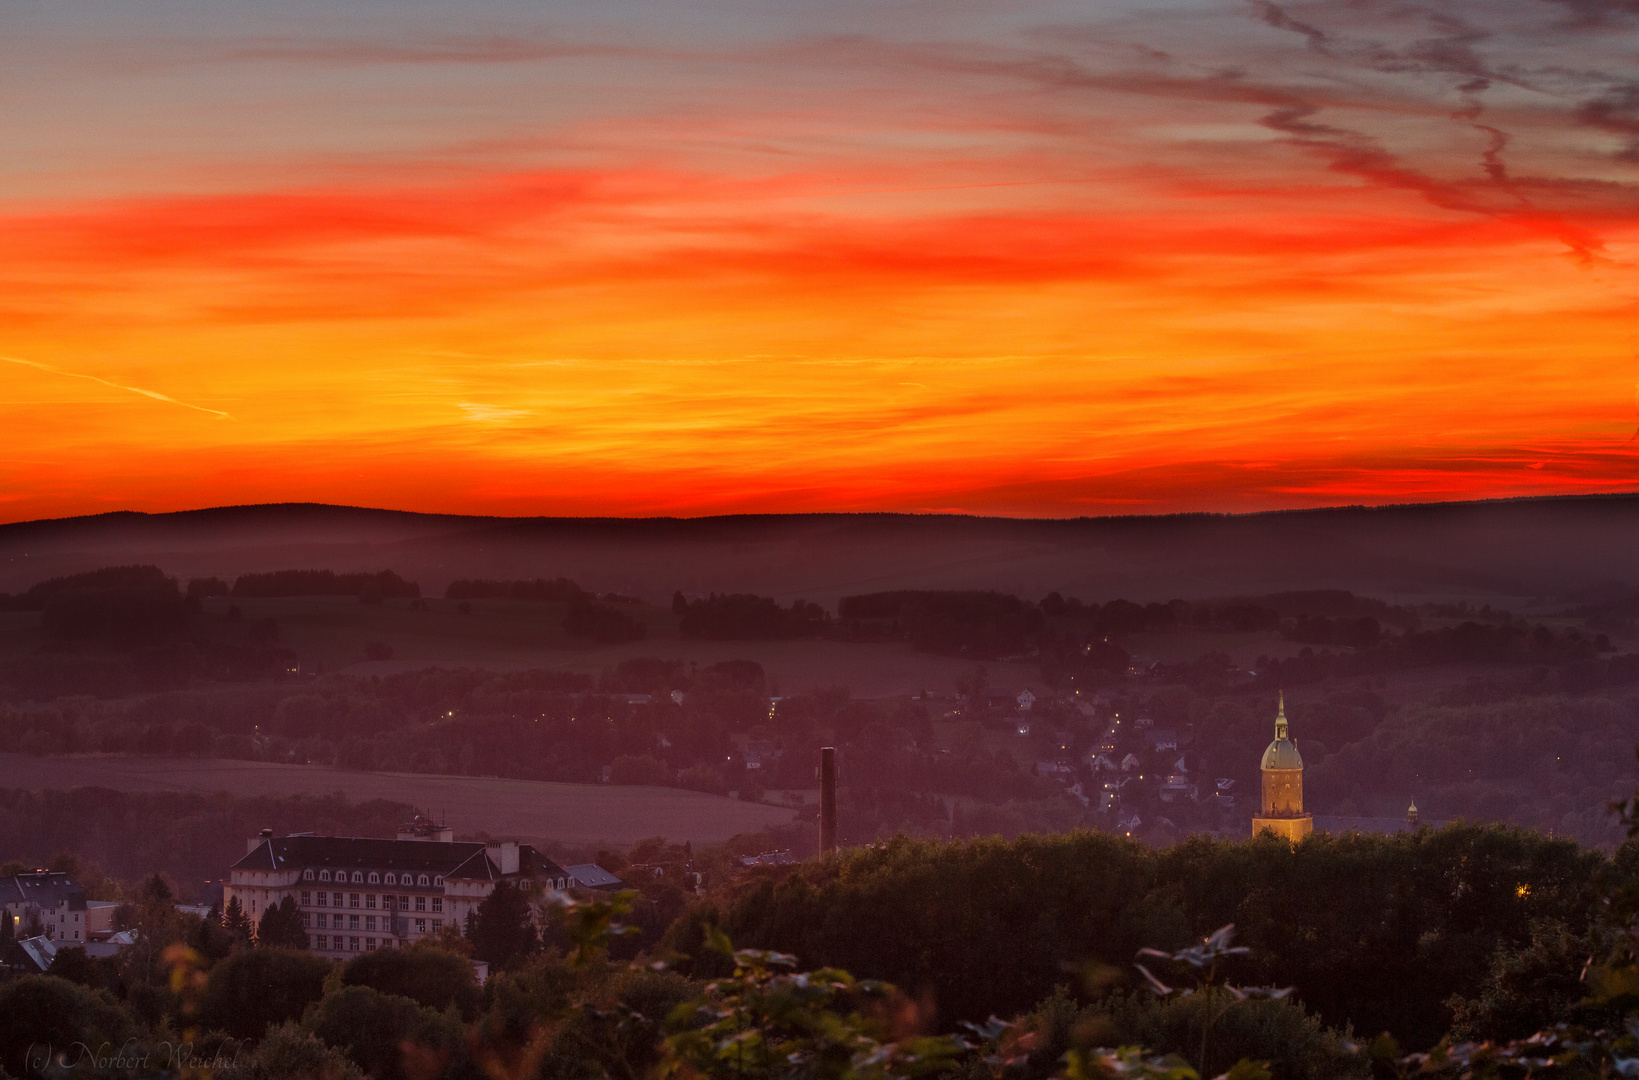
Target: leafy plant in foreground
767	1020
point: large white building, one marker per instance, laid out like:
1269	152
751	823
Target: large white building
46	900
359	894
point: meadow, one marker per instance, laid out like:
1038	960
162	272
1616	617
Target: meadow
535	811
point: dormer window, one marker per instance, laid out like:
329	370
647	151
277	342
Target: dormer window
324	875
307	875
392	878
358	877
438	882
375	878
424	882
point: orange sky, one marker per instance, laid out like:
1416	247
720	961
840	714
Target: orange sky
1007	259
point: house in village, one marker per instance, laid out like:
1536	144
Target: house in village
30	955
49	904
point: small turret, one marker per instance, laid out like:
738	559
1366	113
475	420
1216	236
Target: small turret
1411	813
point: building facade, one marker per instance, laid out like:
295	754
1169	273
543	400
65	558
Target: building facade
1281	810
359	894
47	904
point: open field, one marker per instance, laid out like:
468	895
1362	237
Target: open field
525	809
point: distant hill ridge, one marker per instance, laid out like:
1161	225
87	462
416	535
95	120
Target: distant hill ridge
1527	547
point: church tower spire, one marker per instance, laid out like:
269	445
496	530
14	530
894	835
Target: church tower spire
1282	810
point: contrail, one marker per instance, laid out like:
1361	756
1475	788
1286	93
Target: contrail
117	386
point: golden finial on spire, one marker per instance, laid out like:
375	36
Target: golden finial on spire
1280	718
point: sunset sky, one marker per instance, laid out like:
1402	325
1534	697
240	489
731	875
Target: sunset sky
1027	258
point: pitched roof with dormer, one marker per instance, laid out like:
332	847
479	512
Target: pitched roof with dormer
48	889
460	860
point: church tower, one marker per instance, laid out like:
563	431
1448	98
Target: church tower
1282	810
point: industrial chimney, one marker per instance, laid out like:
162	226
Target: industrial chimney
828	801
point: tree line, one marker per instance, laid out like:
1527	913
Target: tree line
901	960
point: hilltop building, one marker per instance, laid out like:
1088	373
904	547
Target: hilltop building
359	894
1282	809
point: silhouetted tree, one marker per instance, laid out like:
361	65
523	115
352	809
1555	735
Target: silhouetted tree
235	921
504	932
281	926
257	987
426	974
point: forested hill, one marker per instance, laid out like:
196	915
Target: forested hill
1527	548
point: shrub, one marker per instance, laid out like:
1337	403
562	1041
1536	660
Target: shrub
1296	1045
290	1053
377	1031
427	975
44	1012
255	988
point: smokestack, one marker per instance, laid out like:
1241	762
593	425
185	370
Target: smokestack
828	801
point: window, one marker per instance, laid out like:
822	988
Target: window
307	918
421	926
369	922
438	882
335	899
374	877
324	875
392	879
369	944
321	898
352	899
307	897
322	921
369	900
353	944
352	922
404	903
307	875
358	877
421	903
438	924
438	903
424	882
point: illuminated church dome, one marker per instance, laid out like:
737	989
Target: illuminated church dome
1281	811
1283	752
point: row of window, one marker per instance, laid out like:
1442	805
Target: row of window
376	878
369	901
347	943
324	920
